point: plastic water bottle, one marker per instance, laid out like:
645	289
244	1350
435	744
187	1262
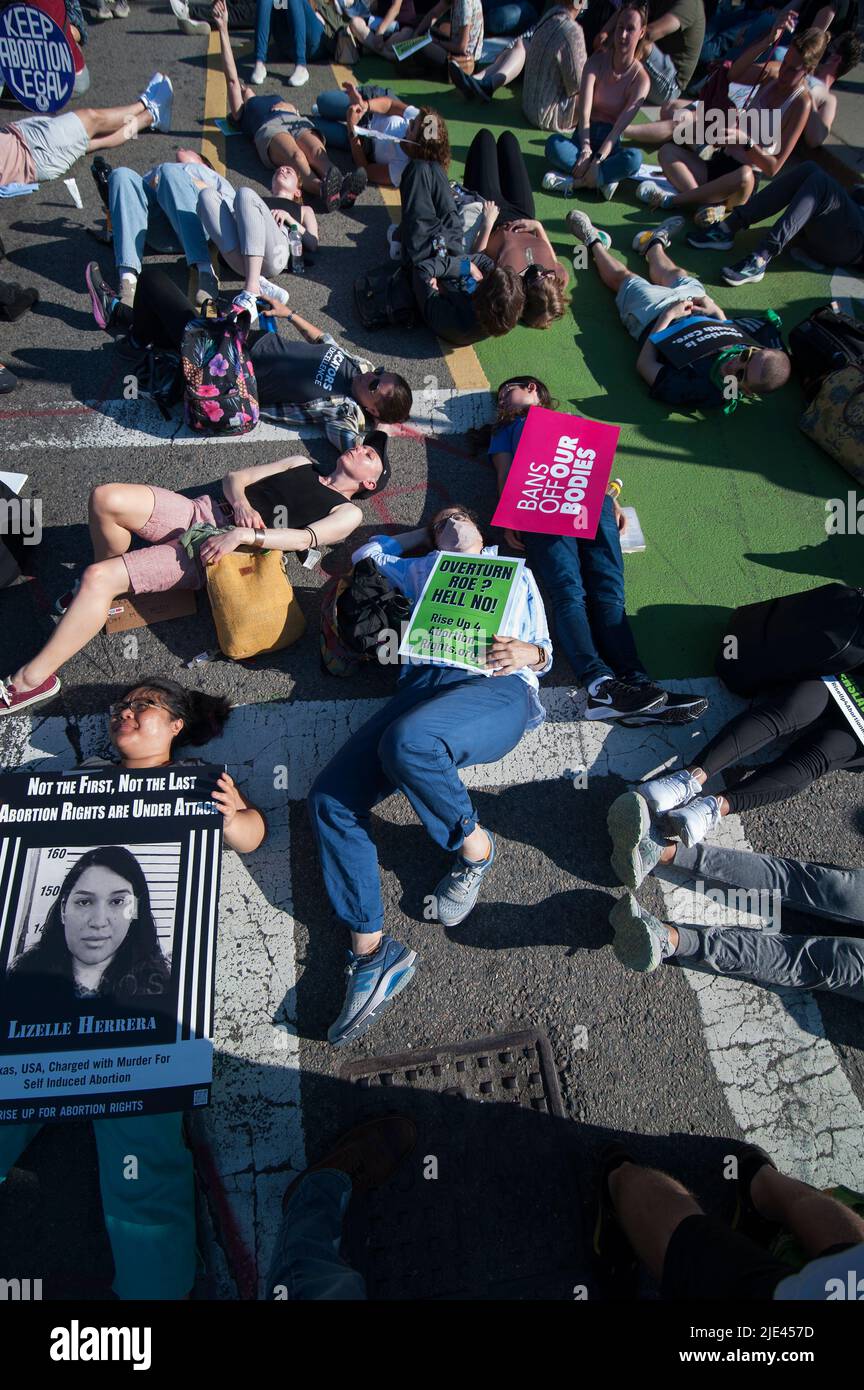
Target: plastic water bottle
295	250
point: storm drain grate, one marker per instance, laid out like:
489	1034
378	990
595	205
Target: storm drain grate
487	1207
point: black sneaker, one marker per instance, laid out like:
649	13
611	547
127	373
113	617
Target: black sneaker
679	709
103	299
720	237
353	185
615	698
101	171
616	1256
331	189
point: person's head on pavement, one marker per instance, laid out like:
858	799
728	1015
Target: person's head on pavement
185	156
158	715
499	301
841	56
517	394
427	138
285	183
456	529
385	396
363	468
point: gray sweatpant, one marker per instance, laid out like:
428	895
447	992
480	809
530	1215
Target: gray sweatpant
246	229
771	957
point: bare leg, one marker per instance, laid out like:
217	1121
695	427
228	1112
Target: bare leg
506	67
611	272
650	1207
650	132
698	772
117	511
252	271
109	119
128	131
86	615
690	176
818	1221
284	149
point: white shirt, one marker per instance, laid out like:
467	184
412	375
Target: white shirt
387	151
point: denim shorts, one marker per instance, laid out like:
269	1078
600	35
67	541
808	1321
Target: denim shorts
283	123
55	143
164	563
640	303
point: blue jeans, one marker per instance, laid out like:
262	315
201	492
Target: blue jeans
439	720
150	1218
165	219
509	18
563	153
299	34
664	78
306	1263
333	108
584	582
720	44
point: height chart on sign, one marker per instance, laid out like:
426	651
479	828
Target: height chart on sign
559	474
36	61
109	887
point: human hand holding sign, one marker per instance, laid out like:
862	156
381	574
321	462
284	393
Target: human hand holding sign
509	654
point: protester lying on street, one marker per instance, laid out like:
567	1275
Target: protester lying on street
298	382
648	1217
150	1222
337	114
583	581
159	210
614	87
674	41
820	959
684	360
550	57
516	240
458	300
300	35
39	148
283	139
822	224
306	1264
285	505
825	742
737	160
443	718
254	240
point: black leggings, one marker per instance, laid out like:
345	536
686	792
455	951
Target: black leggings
499	173
827	743
160	312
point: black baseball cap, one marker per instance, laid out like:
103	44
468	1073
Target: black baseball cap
377	440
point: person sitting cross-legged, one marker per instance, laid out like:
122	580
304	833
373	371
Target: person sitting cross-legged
715	372
442	718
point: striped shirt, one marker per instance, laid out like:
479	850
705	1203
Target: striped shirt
553	71
528	617
343	420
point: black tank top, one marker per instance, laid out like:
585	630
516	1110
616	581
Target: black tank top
299	494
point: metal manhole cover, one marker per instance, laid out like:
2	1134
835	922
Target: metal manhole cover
487	1207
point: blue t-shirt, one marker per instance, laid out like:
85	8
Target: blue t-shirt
505	438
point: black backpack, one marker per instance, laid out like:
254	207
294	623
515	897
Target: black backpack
367	607
798	637
825	342
385	299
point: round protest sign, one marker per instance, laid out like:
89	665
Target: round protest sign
35	59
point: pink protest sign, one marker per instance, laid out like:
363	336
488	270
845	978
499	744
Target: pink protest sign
558	478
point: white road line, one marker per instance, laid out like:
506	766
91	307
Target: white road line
781	1077
135	424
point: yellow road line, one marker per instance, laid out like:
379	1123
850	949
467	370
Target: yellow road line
213	141
462	362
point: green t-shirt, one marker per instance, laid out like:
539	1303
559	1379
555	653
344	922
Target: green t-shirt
685	45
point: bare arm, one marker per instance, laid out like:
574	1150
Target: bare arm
648	364
330	530
586	102
794	121
229	66
640	92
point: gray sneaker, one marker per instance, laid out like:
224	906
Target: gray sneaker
457	892
640	942
636	849
580	224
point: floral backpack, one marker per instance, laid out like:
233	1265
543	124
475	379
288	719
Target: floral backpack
220	394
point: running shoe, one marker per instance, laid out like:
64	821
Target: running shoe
614	697
103	300
720	237
158	97
8	381
662	234
580	224
636	849
352	186
678	709
663	794
640	941
747	272
331	189
558	183
653	195
245	303
13	701
710	214
185	23
608	190
373	983
299	77
458	890
691	823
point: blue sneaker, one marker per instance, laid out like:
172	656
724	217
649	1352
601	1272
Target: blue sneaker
373	982
640	942
747	272
457	892
158	97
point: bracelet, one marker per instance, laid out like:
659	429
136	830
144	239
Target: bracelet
543	656
290	316
314	537
259	536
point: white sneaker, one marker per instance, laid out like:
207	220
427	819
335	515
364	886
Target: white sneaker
608	190
273	291
557	183
665	793
691	823
651	193
259	75
246	302
663	233
299	77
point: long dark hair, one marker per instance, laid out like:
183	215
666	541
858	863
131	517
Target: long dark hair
138	968
544	398
204	716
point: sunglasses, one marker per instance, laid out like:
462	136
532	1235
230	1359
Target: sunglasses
740	372
537	272
136	706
